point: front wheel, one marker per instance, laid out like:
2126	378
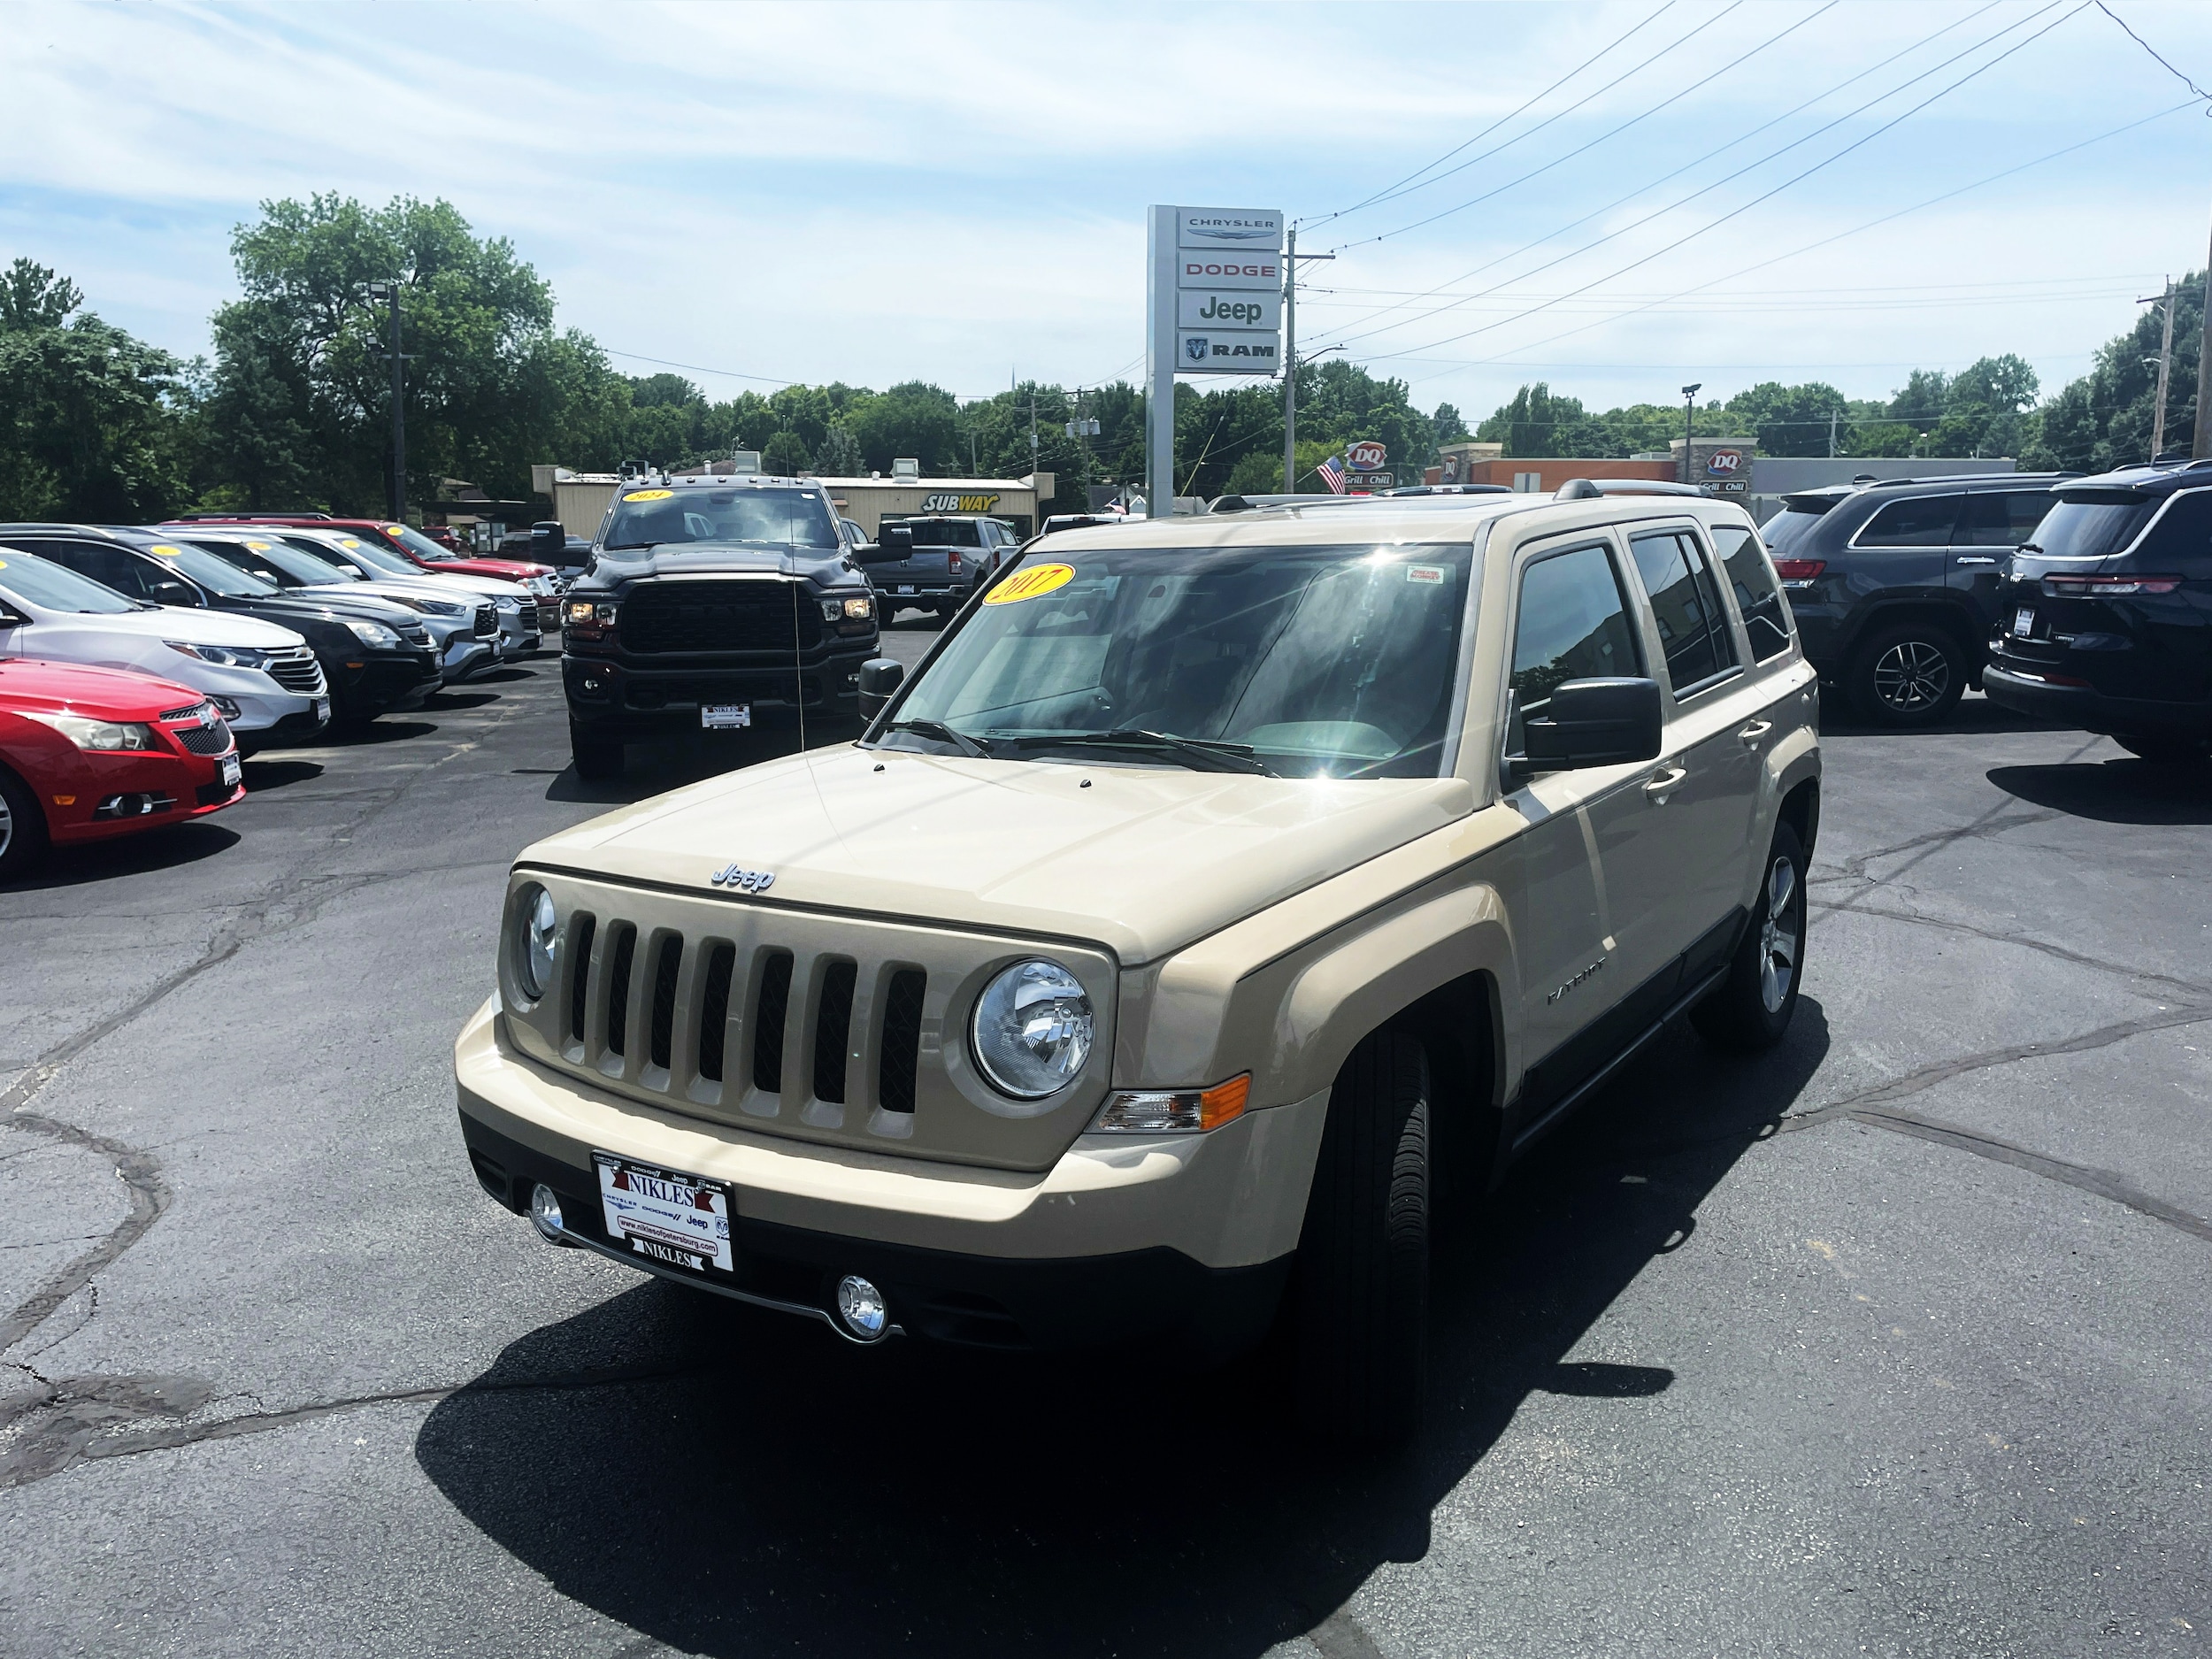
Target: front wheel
1911	674
597	755
22	827
2161	749
1753	1005
1359	1295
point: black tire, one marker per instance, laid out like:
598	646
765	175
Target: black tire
598	755
1907	674
1752	1007
22	827
1359	1293
2164	750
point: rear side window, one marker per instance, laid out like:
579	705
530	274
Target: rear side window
1785	528
1758	596
1686	603
2092	525
2004	520
1926	522
1572	625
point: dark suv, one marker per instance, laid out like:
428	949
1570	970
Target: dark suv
1894	583
2105	616
712	604
376	656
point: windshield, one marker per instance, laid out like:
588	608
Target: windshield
2092	526
322	553
1331	662
259	556
370	552
53	587
1784	529
216	575
421	545
778	518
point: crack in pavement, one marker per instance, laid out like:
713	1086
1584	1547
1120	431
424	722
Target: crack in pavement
71	1419
290	901
2190	986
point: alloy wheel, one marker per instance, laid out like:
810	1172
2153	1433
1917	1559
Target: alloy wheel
1912	675
7	827
1778	936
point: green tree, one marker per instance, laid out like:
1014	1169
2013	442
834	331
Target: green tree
785	455
92	422
838	455
1792	419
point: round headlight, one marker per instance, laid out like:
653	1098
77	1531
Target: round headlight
534	952
1032	1029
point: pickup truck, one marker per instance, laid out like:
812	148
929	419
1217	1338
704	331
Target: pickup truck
932	563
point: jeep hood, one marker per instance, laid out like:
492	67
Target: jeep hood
1141	859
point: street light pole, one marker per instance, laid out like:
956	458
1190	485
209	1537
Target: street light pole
2165	367
399	492
1689	414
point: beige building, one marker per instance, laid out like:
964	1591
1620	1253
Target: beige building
580	499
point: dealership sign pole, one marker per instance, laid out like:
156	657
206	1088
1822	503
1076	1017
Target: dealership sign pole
1215	306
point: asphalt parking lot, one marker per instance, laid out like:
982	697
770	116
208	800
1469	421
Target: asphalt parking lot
1895	1340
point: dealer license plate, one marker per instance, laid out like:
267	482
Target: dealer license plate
666	1215
725	717
907	588
2024	624
229	765
322	708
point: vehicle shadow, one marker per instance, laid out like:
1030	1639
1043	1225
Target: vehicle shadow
388	729
2123	791
447	702
1972	715
260	775
774	1489
170	848
665	763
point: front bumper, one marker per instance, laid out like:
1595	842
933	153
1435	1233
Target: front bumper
468	654
73	794
1126	1238
638	695
2087	707
385	680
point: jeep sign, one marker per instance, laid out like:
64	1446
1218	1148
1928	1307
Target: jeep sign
1213	305
1209	308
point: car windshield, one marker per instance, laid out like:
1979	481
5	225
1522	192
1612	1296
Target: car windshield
260	556
776	518
2092	526
216	575
1333	661
51	586
373	552
322	553
421	545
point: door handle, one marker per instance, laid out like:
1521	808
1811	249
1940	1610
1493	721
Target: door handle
1758	729
1975	558
1664	783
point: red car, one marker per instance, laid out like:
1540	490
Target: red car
417	548
88	753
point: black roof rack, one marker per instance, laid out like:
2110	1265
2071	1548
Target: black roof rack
1592	488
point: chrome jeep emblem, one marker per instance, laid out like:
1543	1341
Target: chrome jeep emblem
742	881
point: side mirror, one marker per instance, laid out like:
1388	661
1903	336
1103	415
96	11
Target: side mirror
879	677
549	540
1592	722
876	553
168	593
12	619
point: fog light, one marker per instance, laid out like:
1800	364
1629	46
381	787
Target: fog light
860	1305
545	1213
225	706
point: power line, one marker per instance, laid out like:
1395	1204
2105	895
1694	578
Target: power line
2154	51
1388	191
1823	241
1699	161
698	368
1767	196
1729	67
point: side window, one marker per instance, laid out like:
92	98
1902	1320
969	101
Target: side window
1686	602
104	564
1572	623
1758	596
1924	523
2004	520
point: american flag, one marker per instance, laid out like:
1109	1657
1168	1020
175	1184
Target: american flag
1332	472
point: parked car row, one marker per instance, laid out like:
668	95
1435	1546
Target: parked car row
2083	599
142	662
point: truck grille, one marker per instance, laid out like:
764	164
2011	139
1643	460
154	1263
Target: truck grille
817	1027
297	670
722	615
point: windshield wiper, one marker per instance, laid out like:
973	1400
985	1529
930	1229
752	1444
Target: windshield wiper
937	731
1198	753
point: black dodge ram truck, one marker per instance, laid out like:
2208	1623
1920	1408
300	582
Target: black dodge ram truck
713	604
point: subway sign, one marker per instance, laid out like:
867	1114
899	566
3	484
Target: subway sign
949	502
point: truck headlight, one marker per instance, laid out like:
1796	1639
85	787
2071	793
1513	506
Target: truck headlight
1032	1029
862	606
536	937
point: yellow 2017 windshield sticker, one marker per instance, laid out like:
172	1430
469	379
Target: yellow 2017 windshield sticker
1029	584
648	494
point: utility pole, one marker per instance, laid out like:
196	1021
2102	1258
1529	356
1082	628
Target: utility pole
1083	428
2165	366
1689	415
1290	359
1831	434
390	291
2200	437
1033	438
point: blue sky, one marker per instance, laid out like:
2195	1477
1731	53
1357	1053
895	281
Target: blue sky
956	193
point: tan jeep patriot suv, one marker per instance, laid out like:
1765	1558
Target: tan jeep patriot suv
1211	884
